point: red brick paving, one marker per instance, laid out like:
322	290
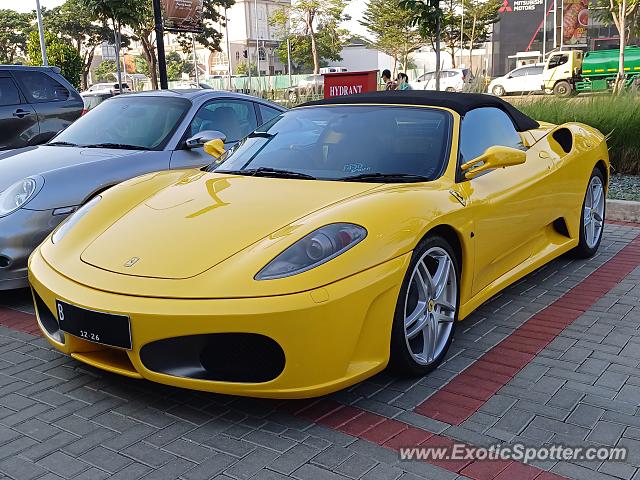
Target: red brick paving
479	382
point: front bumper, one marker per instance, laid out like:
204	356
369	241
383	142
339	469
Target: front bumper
332	337
20	234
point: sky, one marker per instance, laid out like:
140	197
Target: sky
354	9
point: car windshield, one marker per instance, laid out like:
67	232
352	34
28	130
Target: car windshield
348	142
142	122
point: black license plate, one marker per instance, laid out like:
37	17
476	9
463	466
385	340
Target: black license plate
98	327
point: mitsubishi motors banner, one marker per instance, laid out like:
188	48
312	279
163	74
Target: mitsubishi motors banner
575	19
182	15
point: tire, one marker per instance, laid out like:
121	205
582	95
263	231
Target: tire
593	216
410	355
449	89
498	91
293	96
562	89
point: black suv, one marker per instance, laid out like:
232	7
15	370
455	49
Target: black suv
35	104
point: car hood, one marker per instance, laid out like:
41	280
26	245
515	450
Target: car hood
203	219
18	164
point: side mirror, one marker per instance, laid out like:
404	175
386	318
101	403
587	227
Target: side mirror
201	138
493	157
215	148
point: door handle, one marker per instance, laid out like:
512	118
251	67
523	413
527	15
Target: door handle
21	113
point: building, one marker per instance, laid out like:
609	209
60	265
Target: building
244	39
526	34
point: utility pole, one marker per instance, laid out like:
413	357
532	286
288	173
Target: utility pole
226	34
544	31
195	58
43	45
255	3
461	34
118	66
162	61
289	59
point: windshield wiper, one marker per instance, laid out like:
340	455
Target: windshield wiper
61	144
386	177
120	146
268	172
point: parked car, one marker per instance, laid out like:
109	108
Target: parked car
451	80
308	86
92	100
106	87
35	104
527	79
324	70
351	234
123	137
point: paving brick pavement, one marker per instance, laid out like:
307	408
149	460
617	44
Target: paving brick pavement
62	419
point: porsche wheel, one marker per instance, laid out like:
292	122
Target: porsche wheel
427	309
592	219
498	91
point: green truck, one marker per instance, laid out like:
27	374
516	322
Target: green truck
572	71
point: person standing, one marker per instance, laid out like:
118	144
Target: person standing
403	82
386	79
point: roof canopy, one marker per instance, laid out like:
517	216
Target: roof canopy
458	102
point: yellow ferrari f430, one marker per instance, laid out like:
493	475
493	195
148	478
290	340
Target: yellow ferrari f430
342	236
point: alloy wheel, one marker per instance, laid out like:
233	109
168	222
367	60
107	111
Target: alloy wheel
593	212
430	306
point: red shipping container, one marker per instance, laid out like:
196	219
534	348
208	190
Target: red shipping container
349	83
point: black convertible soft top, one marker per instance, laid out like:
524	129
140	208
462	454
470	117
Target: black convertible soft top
458	102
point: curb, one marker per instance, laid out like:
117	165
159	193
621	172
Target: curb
623	210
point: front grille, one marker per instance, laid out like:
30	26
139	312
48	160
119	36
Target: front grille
225	357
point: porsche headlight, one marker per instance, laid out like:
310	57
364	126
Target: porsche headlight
73	219
314	249
16	196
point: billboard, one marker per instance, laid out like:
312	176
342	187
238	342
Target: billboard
575	19
182	15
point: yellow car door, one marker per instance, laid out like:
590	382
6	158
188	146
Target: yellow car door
509	206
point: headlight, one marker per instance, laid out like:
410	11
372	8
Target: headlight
16	196
73	219
316	248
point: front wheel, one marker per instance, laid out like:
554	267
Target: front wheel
562	89
498	91
427	309
592	218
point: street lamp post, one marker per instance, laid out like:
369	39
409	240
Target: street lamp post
162	61
195	59
43	45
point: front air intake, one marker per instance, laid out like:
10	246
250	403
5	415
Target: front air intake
223	357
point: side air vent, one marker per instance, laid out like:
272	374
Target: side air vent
560	226
564	137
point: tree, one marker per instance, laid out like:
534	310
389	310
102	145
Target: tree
119	13
479	16
59	54
142	66
390	27
307	18
625	15
328	48
210	37
14	34
244	68
106	71
176	66
74	22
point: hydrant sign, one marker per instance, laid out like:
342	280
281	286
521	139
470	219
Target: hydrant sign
349	83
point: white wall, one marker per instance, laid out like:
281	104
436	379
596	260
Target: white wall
360	58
